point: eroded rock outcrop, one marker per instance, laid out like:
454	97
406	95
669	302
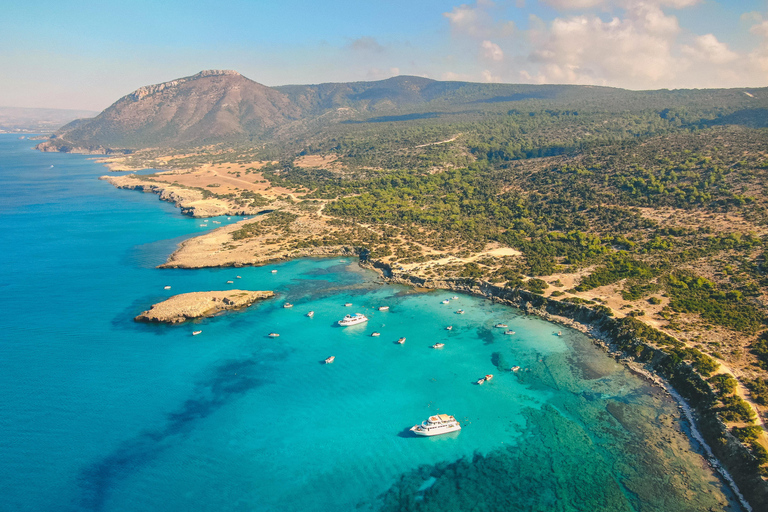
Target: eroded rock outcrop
187	306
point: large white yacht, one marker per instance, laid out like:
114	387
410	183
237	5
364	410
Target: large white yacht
436	425
357	318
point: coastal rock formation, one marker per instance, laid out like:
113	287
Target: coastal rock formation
186	306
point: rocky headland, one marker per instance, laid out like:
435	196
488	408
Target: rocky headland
187	306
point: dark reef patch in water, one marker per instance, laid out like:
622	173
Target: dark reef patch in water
228	382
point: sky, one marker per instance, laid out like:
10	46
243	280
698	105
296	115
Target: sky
85	54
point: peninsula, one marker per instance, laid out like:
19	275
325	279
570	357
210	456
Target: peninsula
188	306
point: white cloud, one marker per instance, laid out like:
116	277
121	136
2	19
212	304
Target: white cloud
761	29
570	5
477	21
709	50
492	51
490	77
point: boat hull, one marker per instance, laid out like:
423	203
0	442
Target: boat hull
435	431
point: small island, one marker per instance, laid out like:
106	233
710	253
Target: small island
187	306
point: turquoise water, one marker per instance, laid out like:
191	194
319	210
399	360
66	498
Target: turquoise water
100	413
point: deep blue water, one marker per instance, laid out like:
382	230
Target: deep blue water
99	413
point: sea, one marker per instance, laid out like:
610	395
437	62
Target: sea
101	413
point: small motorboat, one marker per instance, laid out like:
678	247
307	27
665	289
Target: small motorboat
438	345
195	333
460	312
230	282
455	297
401	341
166	287
274	271
509	332
446	301
348	304
287	305
515	368
375	334
311	314
559	333
216	222
273	335
449	328
238	277
480	381
329	360
383	308
501	326
488	377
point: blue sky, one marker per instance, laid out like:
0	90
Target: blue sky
86	54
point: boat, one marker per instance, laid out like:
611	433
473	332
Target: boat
501	326
375	334
559	333
287	305
436	425
480	381
238	277
509	332
489	376
203	225
455	297
166	287
355	319
446	301
230	282
383	308
329	360
311	314
449	328
438	345
274	271
216	222
515	368
347	304
195	333
460	312
401	340
273	335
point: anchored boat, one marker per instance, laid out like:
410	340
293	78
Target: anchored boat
436	425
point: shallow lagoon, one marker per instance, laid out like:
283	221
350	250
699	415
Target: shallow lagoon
101	413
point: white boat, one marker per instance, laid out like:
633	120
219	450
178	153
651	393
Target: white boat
329	360
311	314
455	297
383	308
195	333
274	271
559	333
460	312
436	425
446	301
355	319
480	381
238	277
230	282
501	326
287	305
488	377
347	304
401	341
375	334
273	335
515	368
509	332
216	222
438	345
166	287
449	328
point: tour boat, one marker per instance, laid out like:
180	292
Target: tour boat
287	305
488	377
438	345
460	312
311	314
375	334
446	301
166	287
195	333
501	326
515	368
401	341
383	308
273	335
274	271
355	319
449	328
347	304
436	425
509	332
329	360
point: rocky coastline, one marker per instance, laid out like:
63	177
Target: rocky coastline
188	306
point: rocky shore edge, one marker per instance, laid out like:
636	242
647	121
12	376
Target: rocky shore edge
187	306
